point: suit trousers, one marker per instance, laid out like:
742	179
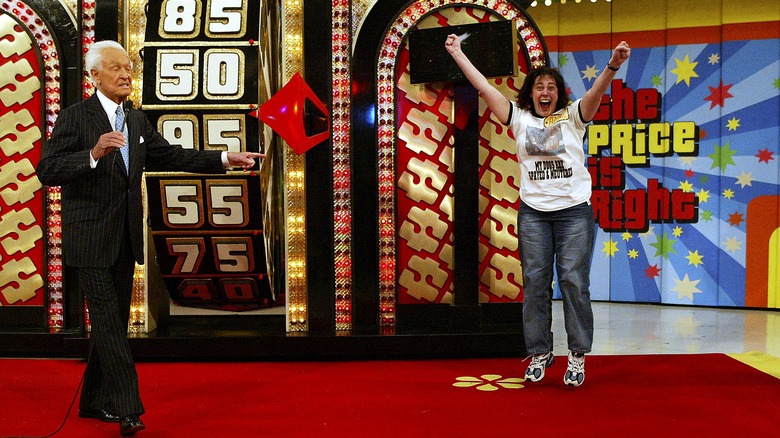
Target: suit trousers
110	379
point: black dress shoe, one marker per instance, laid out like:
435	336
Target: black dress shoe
103	415
130	425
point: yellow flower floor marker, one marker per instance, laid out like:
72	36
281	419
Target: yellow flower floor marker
488	382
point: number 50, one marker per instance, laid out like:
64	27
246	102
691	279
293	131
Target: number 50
177	74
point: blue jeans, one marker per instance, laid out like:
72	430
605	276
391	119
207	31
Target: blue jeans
564	237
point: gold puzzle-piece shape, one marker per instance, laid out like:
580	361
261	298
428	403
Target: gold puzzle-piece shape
501	179
428	134
423	219
20	91
419	191
502	266
421	289
27	287
18	44
498	137
26	238
26	189
24	141
417	93
506	217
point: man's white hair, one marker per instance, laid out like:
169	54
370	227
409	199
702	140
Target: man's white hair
94	58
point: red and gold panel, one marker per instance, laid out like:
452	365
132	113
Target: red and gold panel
415	131
29	99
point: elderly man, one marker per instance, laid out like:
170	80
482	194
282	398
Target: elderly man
97	153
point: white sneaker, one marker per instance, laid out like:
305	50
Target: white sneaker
539	362
575	372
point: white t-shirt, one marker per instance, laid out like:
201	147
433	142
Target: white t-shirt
550	152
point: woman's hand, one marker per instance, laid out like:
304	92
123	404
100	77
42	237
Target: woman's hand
452	44
496	101
620	54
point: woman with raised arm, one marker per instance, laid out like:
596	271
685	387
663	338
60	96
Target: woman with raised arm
555	224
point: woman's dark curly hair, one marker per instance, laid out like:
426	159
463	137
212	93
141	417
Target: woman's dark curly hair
524	99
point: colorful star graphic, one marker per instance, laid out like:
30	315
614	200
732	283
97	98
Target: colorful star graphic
714	59
702	134
776	83
684	71
694	258
663	246
733	124
562	60
687	160
686	288
677	232
656	80
626	236
745	179
633	253
685	186
703	195
689	173
652	271
647	233
735	219
704	179
722	157
719	95
732	244
590	72
728	193
705	215
610	248
764	155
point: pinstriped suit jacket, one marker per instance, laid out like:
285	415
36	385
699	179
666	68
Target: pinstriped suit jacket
98	203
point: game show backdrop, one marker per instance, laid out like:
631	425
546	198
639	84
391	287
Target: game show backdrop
684	150
683	153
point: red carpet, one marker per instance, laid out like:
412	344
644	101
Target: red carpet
663	395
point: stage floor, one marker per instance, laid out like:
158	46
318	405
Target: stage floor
620	329
625	329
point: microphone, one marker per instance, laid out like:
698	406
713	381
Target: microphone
126	106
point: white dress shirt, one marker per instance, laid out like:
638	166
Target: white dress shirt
109	106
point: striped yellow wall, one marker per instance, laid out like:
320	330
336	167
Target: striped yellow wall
617	16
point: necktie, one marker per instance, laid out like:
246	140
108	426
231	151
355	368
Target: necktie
125	150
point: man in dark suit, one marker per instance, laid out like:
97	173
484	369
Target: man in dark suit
98	157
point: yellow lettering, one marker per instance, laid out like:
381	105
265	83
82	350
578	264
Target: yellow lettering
622	138
637	154
684	137
658	138
598	138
